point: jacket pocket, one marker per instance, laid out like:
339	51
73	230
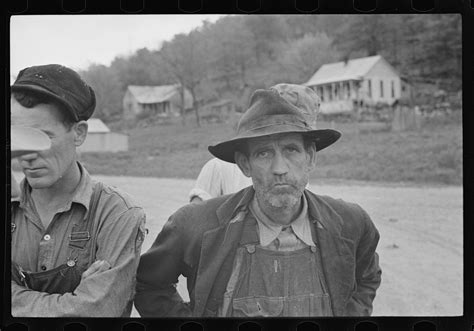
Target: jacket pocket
257	306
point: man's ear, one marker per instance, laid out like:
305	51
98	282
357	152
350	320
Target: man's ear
312	156
80	132
243	163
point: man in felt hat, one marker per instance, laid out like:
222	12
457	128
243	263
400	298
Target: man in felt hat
75	242
272	249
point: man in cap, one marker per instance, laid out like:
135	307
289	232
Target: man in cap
274	248
75	242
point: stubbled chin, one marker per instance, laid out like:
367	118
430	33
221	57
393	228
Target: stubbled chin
282	200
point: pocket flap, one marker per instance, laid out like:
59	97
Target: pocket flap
258	306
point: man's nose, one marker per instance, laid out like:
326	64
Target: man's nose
28	157
279	165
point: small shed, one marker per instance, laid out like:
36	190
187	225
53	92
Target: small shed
101	139
345	85
163	100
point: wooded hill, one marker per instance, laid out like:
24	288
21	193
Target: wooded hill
236	54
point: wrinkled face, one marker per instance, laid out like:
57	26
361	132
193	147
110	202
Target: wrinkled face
44	169
279	166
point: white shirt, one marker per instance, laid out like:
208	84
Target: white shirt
218	178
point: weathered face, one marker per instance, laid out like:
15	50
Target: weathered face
279	166
44	169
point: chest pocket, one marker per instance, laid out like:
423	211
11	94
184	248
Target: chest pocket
81	254
258	306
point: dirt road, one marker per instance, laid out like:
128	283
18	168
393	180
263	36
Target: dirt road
421	237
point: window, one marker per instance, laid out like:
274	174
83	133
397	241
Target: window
330	92
381	88
369	90
393	89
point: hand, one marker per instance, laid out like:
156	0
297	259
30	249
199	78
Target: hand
95	268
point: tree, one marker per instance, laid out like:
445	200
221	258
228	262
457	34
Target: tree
108	91
230	54
186	59
267	31
299	59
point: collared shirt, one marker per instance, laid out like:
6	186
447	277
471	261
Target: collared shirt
119	239
274	236
218	178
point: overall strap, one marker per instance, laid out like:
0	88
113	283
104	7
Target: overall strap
218	289
81	233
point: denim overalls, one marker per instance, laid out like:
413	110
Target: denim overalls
81	251
275	283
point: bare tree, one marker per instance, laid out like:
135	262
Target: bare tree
186	59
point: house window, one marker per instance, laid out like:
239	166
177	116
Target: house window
381	88
369	88
330	92
320	93
393	89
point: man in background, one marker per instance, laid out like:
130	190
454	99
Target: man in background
75	242
218	178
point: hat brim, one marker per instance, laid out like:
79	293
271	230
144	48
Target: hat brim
44	91
322	139
26	140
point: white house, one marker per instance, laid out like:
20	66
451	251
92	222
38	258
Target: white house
163	100
101	139
345	85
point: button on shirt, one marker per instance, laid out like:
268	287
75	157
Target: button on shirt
276	237
118	241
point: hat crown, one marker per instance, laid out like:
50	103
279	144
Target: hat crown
62	83
281	104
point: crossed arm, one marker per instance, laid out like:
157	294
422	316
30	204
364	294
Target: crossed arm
107	286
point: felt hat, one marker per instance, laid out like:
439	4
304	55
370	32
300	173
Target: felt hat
282	108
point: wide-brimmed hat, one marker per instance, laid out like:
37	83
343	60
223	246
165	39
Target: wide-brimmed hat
60	83
282	108
25	140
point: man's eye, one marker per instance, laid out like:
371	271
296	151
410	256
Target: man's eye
262	154
292	149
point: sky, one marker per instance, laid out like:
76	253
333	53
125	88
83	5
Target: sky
78	41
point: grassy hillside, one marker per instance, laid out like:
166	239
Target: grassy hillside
431	155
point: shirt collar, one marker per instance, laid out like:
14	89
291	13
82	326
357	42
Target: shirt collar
269	230
81	195
83	192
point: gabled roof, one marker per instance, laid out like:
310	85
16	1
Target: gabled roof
97	126
153	94
354	69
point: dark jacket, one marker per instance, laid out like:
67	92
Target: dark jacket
200	240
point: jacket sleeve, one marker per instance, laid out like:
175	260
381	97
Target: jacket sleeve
158	272
368	272
104	294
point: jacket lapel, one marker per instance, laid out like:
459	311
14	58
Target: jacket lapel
218	247
337	254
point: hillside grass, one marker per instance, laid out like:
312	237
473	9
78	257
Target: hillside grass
430	155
